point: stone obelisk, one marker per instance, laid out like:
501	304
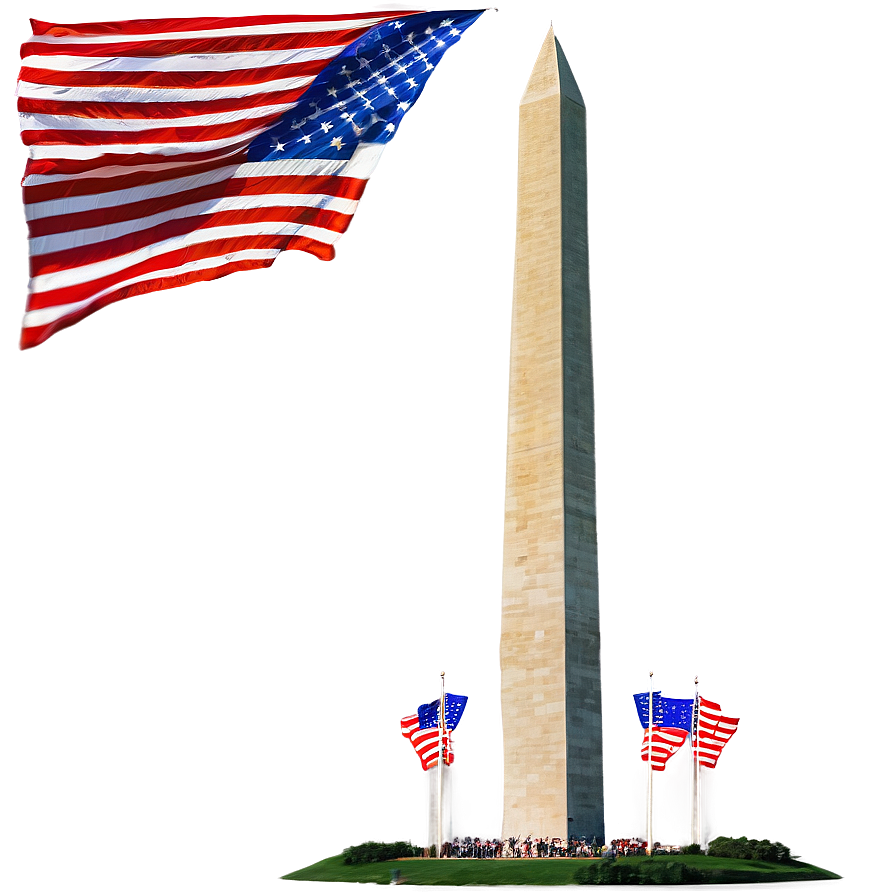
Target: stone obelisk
550	637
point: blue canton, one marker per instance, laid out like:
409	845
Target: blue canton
364	93
428	713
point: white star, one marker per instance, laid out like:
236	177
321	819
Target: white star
326	126
454	32
279	147
428	31
440	43
306	139
364	63
390	127
391	92
332	91
445	23
411	82
337	142
404	106
429	66
397	25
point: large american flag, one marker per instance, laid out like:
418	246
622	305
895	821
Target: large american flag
168	151
713	731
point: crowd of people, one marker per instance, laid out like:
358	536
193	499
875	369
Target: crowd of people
541	848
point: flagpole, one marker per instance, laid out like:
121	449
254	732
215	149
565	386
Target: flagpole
650	768
695	790
694	768
441	749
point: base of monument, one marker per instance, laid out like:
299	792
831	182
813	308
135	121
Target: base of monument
545	873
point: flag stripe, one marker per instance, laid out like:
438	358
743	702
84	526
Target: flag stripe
121	67
40	122
153	29
138	94
186	47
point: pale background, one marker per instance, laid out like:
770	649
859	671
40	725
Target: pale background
246	524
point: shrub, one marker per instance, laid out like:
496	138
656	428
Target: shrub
692	850
658	872
378	852
586	875
741	848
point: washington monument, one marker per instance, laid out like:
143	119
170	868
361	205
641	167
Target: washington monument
550	635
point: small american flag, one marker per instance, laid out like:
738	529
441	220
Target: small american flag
169	151
425	742
672	725
713	731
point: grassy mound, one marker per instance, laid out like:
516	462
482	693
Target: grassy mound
559	872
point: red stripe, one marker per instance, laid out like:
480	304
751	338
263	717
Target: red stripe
199	46
344	187
199	23
177	258
234	78
159	110
65	259
81	166
90	185
176	134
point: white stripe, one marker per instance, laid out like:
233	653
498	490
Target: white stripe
207	62
42	316
359	166
235	31
56	242
124	94
73	151
29	121
87	272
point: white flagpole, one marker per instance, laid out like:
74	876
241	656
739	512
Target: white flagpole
441	748
429	816
650	768
695	791
694	766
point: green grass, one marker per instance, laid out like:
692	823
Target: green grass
543	872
